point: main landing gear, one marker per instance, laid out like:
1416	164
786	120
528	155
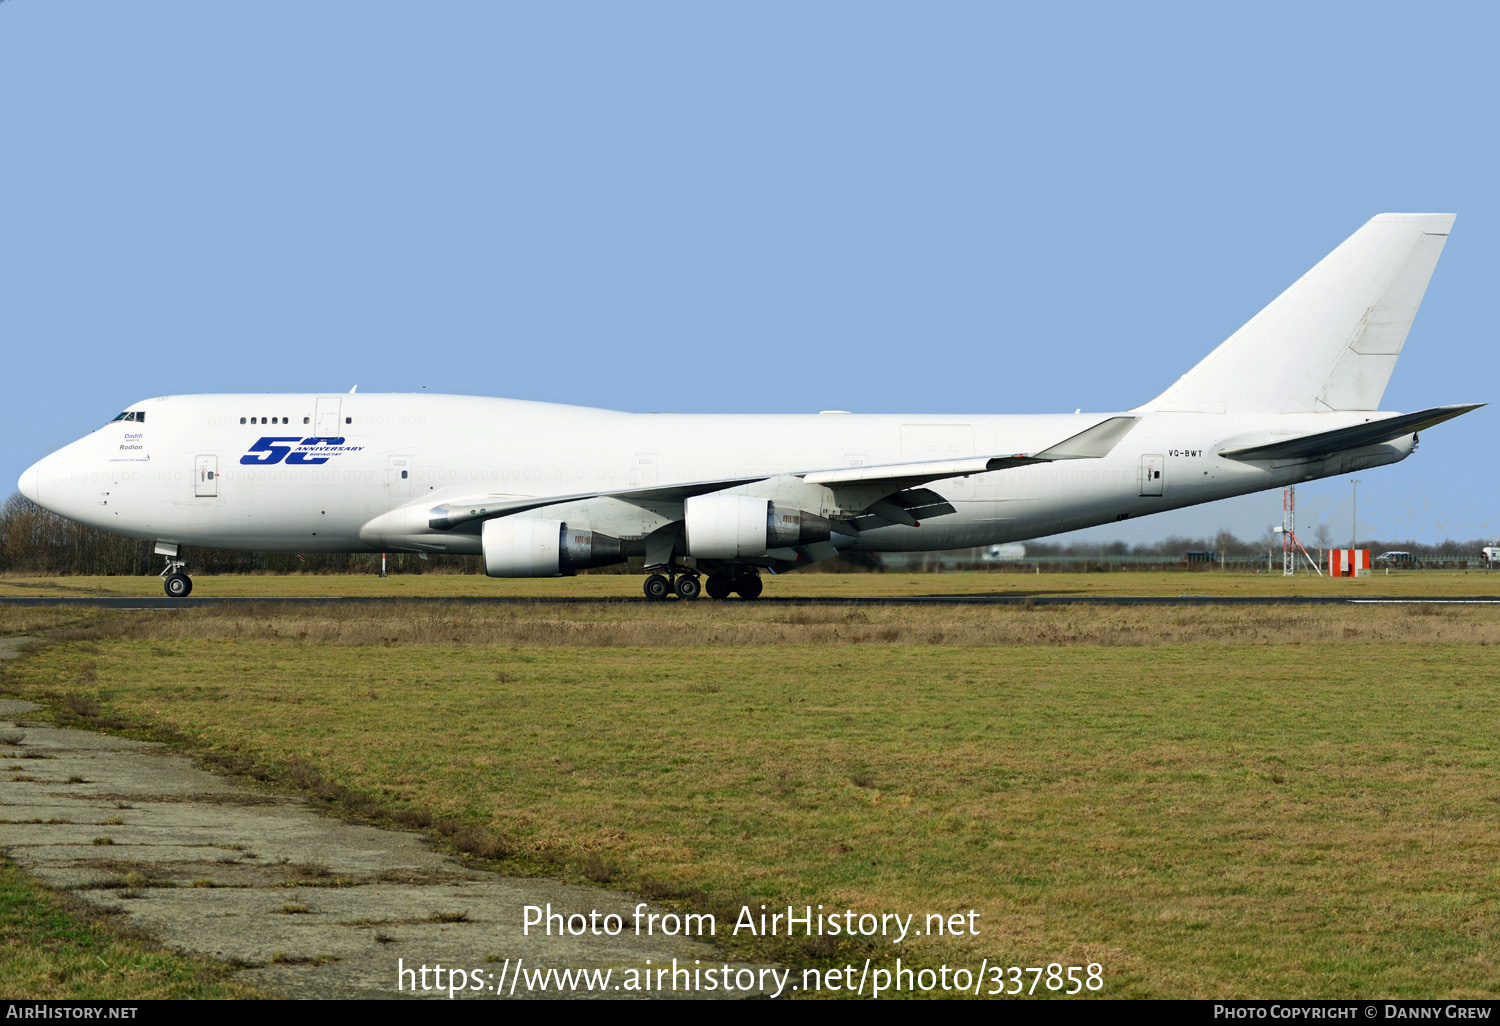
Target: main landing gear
684	583
175	580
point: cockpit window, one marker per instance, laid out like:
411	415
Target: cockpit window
134	416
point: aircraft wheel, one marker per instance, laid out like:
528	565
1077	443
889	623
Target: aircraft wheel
178	585
688	587
748	586
657	587
719	586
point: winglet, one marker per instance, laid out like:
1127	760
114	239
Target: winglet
1093	443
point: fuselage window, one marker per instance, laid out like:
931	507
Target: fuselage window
242	420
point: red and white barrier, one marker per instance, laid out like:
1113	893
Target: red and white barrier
1348	562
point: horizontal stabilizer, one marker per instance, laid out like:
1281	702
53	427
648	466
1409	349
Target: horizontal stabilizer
1340	439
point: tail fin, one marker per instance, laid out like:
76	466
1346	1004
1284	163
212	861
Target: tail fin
1330	341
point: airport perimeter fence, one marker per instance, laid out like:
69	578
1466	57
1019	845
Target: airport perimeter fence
1134	562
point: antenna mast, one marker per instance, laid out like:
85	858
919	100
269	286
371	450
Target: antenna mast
1288	520
1289	543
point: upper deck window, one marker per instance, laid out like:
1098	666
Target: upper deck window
134	416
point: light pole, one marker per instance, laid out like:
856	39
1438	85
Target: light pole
1354	515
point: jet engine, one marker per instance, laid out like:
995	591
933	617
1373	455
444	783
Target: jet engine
526	547
721	526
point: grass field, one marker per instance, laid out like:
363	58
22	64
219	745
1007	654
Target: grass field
1259	802
52	947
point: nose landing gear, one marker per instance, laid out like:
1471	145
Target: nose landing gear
177	583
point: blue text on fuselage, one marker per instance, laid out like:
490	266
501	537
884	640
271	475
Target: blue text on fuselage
269	450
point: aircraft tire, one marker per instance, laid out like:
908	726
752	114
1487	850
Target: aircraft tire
687	587
178	585
749	586
719	586
657	587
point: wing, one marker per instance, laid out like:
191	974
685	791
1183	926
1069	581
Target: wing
857	488
452	513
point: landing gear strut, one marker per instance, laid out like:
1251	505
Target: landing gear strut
177	583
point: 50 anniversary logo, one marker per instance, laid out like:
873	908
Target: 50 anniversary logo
301	451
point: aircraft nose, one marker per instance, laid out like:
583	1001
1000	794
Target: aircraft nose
31	484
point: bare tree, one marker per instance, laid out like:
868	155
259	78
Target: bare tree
1324	538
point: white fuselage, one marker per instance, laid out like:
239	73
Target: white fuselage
357	473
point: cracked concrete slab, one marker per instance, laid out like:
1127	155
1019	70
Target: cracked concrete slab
310	905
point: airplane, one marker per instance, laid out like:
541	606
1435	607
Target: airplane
710	501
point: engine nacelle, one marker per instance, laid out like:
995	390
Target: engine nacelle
721	526
526	547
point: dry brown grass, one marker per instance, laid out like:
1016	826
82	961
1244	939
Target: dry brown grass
795	585
701	625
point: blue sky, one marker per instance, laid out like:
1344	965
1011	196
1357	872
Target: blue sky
772	207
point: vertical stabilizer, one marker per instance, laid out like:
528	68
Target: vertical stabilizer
1330	341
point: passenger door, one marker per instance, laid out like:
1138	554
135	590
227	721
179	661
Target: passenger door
1151	474
206	475
328	417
